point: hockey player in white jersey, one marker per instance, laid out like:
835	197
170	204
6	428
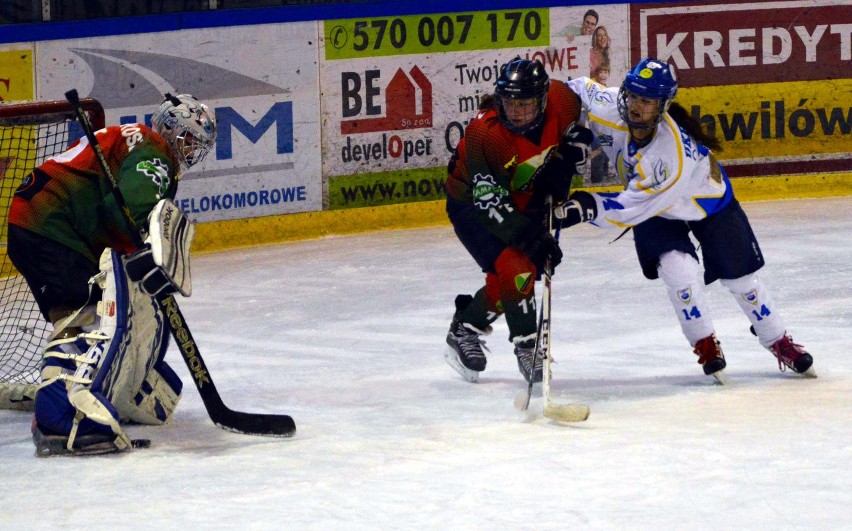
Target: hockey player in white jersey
673	186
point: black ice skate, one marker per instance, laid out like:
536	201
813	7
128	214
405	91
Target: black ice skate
711	357
792	355
525	352
465	353
93	444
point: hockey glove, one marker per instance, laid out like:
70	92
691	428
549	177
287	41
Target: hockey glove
574	146
539	245
580	208
553	176
162	264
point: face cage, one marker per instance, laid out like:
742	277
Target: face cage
191	152
532	124
625	115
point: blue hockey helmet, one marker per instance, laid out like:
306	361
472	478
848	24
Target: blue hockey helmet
520	80
650	78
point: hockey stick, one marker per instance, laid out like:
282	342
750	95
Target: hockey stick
552	410
522	399
219	413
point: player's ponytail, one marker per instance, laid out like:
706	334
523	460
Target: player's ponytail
693	127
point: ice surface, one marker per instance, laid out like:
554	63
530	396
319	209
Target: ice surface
347	335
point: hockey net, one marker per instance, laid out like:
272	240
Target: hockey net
30	133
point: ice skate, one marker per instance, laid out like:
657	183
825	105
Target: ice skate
711	357
525	352
793	355
465	353
92	444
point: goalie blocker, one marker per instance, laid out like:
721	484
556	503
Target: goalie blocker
114	370
162	265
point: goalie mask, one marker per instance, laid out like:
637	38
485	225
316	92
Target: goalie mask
651	79
188	125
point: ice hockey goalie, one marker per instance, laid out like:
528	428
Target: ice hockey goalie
104	364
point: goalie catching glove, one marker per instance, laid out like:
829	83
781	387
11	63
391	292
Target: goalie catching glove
581	207
162	264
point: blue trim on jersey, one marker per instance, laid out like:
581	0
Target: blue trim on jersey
712	205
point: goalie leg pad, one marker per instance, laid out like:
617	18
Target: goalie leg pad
158	396
134	359
115	373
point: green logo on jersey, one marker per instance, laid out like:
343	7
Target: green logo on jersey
486	192
158	172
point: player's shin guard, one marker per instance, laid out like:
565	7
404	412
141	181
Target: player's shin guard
758	306
681	274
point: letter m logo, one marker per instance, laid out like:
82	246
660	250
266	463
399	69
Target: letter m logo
281	115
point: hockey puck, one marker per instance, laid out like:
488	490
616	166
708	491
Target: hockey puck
140	443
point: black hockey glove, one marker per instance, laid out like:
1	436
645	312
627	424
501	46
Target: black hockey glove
553	176
537	243
574	146
580	208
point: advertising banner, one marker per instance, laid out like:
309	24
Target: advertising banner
16	75
263	85
16	84
773	79
398	91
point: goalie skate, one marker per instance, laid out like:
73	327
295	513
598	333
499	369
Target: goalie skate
56	445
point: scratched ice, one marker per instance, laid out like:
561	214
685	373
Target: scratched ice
347	335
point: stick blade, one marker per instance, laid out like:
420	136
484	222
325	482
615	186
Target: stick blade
567	412
256	423
522	400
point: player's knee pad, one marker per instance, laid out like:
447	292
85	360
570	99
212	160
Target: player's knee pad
744	284
515	275
516	279
678	269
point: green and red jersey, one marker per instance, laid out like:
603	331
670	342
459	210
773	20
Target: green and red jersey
69	200
493	168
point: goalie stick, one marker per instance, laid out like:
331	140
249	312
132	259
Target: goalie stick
552	410
219	413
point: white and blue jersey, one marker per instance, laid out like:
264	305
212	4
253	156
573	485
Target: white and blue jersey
672	177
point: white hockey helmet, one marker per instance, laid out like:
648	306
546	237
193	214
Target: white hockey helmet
188	125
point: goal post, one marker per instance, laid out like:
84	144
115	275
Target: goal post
30	133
